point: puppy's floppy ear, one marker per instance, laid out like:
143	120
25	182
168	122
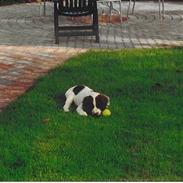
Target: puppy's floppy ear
88	105
101	101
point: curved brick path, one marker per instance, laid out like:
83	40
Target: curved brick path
20	66
27	49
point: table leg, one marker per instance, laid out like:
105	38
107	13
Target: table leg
163	8
120	6
159	8
44	10
134	1
129	8
110	10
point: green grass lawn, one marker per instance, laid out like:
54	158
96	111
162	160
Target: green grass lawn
142	140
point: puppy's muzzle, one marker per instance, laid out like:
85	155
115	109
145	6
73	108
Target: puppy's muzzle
96	112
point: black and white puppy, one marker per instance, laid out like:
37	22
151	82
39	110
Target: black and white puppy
88	102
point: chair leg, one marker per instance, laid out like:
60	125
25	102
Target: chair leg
95	26
97	38
97	33
56	24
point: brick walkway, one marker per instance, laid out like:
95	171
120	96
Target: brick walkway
20	66
27	49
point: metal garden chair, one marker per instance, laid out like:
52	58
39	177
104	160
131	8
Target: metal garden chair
75	8
161	4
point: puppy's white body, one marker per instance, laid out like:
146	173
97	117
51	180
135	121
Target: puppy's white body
78	97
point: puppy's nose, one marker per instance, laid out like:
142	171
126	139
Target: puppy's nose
96	113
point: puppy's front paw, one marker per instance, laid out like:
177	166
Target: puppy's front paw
65	109
84	114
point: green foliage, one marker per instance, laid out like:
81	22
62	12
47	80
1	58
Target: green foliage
141	140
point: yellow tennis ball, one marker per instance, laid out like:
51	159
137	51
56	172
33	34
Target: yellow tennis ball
106	112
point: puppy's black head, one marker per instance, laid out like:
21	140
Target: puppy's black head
88	105
95	106
102	101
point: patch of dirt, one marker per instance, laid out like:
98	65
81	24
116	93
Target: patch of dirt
168	46
46	120
178	71
17	163
156	86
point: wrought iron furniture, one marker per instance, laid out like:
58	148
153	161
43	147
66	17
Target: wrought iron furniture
129	6
76	8
161	4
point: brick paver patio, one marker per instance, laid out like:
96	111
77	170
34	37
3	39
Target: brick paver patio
27	48
20	66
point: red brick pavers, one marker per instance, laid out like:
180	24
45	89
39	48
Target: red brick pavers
21	65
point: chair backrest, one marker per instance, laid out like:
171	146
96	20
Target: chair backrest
77	7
